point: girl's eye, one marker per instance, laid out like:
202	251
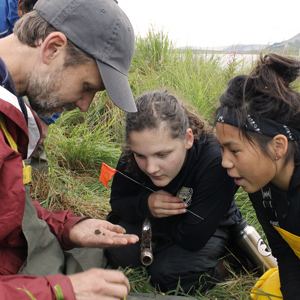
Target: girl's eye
234	151
137	155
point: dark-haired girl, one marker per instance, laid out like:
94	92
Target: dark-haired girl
258	128
173	155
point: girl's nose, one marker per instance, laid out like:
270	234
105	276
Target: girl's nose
226	162
152	166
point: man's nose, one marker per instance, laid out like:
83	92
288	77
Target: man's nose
84	103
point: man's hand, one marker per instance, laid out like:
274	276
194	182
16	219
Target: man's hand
100	284
163	204
100	234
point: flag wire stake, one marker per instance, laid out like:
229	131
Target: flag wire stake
155	192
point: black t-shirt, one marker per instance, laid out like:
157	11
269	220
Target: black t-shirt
212	198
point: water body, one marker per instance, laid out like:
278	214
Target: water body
240	59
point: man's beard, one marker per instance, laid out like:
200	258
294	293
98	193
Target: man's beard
44	94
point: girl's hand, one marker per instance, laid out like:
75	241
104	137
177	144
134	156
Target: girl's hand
162	204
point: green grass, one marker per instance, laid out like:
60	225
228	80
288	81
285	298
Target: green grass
78	144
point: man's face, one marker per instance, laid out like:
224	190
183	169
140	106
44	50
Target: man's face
68	88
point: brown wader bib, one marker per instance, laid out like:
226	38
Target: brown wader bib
45	256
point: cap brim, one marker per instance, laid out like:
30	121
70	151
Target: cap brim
117	87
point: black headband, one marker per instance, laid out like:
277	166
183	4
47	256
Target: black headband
259	125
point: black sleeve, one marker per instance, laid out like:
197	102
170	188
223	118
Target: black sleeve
128	199
288	262
213	195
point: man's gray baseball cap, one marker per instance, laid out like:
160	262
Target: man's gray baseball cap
101	29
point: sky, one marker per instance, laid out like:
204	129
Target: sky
215	23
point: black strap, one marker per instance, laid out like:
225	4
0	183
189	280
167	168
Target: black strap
268	202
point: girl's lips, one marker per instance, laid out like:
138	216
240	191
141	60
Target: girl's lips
238	180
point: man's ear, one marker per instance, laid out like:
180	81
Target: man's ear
280	144
54	46
21	9
189	138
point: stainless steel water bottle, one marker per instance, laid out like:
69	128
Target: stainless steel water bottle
146	243
256	250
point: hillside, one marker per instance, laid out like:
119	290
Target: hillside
246	48
290	46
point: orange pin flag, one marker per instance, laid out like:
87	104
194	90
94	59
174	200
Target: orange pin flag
106	174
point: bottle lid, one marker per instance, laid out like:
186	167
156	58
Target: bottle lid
238	227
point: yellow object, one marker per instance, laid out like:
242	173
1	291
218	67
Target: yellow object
26	173
291	239
11	141
13	145
267	287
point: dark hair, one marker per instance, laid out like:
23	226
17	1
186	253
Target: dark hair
27	5
267	93
157	108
